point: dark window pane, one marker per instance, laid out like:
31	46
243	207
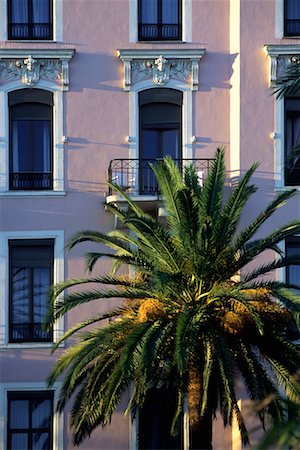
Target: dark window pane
170	143
19	414
19	441
155	421
150	140
293	272
292	141
170	11
19	11
20	296
41	413
149	11
31	269
41	441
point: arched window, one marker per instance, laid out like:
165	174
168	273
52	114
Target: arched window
160	131
30	121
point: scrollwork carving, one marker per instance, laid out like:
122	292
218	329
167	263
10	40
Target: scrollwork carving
30	70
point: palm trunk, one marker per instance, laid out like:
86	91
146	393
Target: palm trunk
200	427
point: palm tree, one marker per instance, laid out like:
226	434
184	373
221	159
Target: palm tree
191	317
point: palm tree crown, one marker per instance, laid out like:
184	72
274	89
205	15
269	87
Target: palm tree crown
192	316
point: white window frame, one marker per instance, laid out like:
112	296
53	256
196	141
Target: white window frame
279	19
275	53
58	138
58	419
57	23
187	145
58	275
186	22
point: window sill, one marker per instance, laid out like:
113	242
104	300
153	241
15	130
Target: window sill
28	345
30	41
21	194
164	41
287	188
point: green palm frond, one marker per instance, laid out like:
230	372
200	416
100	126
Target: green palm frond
289	82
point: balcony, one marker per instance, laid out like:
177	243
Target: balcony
159	32
28	332
136	179
292	27
30	31
30	181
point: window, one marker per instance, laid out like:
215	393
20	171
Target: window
292	141
30	19
159	20
160	131
30	120
155	421
30	417
292	18
30	277
292	248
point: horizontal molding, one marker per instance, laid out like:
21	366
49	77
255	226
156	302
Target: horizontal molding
182	53
52	53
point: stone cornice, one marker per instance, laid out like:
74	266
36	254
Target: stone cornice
161	65
32	65
281	56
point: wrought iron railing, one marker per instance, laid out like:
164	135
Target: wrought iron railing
157	31
30	31
292	27
135	176
30	181
29	332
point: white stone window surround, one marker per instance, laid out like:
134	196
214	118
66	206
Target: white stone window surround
58	275
58	419
186	22
57	22
280	56
56	80
184	78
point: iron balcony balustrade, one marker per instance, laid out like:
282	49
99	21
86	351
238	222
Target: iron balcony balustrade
30	31
292	27
135	176
31	181
29	332
159	32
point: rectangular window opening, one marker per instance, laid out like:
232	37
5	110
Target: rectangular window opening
159	20
30	277
291	18
30	19
30	420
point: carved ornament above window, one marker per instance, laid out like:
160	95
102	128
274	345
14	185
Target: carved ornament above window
161	66
281	56
31	66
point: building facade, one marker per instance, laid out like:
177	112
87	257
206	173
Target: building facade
92	90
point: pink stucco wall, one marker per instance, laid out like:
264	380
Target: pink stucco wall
96	121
